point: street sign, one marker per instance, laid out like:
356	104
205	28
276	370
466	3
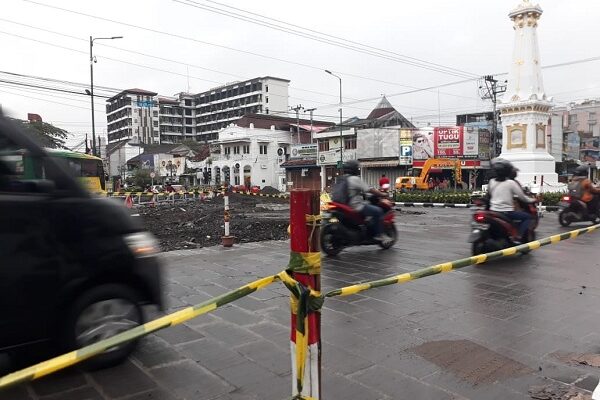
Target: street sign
340	164
152	174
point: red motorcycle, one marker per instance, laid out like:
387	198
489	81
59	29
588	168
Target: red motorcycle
492	231
342	227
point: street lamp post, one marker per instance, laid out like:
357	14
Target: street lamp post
341	162
92	61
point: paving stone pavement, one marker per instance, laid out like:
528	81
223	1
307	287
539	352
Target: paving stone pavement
525	308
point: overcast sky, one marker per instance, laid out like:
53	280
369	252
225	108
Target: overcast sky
472	36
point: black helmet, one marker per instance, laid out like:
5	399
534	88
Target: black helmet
502	169
352	167
582	170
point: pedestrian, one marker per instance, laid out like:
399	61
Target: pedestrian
383	181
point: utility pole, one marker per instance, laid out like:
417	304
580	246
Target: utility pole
310	110
490	92
341	162
297	109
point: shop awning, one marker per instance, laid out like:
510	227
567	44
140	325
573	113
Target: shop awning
380	164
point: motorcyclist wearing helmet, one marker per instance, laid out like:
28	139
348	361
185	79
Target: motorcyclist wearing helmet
356	190
503	189
589	192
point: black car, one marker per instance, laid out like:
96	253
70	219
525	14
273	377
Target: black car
74	268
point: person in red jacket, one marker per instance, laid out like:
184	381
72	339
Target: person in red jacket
383	180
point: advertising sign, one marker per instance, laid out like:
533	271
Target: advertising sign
406	148
303	151
422	144
173	166
331	157
590	150
470	142
573	145
485	138
448	141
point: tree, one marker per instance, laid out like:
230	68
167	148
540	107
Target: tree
141	178
46	135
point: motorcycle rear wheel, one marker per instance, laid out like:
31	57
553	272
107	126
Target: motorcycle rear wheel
330	245
478	247
390	230
564	219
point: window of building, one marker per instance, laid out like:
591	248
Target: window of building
188	102
156	123
246	149
228	150
572	118
323	145
188	130
263	149
592	116
350	143
155	113
188	121
236	150
188	112
267	110
267	88
267	99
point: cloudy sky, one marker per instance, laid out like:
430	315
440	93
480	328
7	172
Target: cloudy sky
171	46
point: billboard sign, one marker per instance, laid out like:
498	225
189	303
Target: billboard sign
448	141
171	166
422	141
470	142
331	157
406	148
303	151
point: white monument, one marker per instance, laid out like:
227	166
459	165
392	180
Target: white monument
525	107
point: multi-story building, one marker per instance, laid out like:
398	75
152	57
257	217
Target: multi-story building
145	117
133	114
218	107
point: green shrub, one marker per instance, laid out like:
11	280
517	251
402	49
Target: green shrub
459	197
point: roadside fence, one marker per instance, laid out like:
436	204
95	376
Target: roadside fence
302	278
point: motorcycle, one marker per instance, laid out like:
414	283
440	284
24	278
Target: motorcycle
492	231
342	227
573	209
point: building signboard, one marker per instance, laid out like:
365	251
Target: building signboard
303	151
406	148
448	141
331	157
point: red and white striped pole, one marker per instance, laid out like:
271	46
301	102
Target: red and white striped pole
305	263
227	240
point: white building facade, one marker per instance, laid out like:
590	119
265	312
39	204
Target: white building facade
248	156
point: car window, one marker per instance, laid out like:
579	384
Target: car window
22	172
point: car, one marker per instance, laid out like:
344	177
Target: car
157	188
75	268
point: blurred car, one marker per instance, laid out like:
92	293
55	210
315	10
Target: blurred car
74	268
157	188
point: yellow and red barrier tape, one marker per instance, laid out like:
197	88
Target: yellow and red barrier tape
313	301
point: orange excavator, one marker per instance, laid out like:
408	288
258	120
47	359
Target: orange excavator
420	182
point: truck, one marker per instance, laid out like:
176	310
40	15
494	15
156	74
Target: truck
421	182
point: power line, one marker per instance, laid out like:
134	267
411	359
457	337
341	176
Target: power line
335	43
287	23
47	101
15	83
320	69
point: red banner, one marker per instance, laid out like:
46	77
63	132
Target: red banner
448	141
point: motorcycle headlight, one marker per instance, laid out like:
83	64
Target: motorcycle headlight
142	244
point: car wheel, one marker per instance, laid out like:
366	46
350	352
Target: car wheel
100	313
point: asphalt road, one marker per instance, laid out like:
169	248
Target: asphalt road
504	330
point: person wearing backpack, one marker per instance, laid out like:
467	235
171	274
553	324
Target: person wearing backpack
582	188
350	190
